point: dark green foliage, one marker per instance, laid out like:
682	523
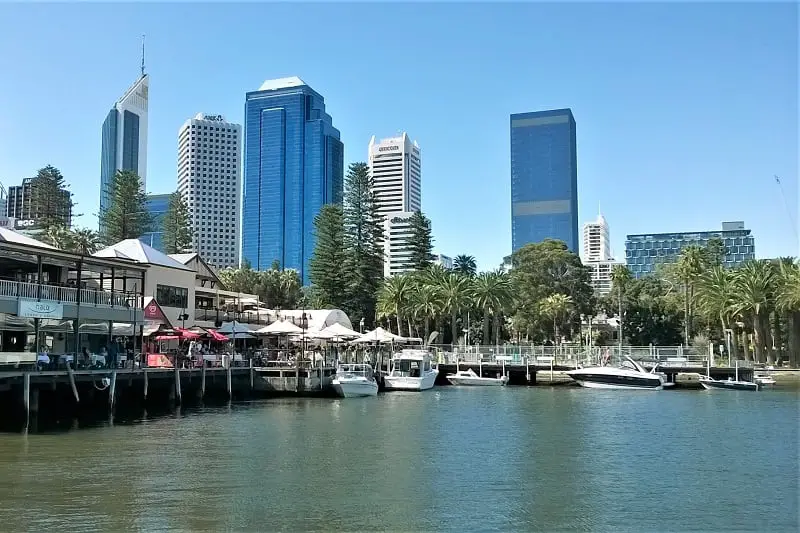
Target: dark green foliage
421	241
177	233
127	216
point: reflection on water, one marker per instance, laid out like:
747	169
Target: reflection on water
505	459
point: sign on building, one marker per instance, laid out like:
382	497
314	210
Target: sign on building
36	309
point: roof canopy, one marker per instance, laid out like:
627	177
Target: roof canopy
137	251
280	328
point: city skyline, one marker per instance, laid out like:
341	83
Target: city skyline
635	155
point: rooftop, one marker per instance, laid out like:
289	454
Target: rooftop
282	83
11	236
137	251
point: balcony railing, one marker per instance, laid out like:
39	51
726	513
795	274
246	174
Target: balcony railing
55	293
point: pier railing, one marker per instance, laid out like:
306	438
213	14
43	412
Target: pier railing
571	355
55	293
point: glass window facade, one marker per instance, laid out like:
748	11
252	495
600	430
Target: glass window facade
157	205
108	157
644	253
130	142
293	165
544	178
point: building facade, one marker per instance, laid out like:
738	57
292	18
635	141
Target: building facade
601	275
645	252
209	163
395	165
544	178
293	165
124	138
443	260
596	240
21	205
157	206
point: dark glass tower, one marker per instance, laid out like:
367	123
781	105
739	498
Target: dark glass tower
544	178
293	165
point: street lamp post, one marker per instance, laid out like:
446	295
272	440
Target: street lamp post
360	325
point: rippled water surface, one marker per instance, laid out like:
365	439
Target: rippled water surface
450	459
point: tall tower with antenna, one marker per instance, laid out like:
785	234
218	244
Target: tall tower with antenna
124	136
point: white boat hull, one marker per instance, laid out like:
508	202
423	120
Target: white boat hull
411	384
476	381
596	385
355	389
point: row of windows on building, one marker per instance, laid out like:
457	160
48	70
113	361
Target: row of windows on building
678	244
670	252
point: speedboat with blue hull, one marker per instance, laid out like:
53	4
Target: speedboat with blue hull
628	375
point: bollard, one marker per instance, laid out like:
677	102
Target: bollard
146	384
230	380
112	391
178	385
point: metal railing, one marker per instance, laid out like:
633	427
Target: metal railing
571	355
55	293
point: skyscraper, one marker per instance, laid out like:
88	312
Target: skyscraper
395	165
596	240
293	165
157	206
544	178
22	204
125	137
208	180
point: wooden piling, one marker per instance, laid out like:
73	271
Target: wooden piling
203	381
146	383
178	385
113	391
26	396
230	381
252	375
71	376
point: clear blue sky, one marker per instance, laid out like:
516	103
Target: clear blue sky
684	111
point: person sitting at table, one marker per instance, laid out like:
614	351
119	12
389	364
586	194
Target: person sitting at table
86	358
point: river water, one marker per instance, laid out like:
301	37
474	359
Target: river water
450	459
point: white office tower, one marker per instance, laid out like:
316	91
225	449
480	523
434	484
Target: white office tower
596	240
209	165
395	165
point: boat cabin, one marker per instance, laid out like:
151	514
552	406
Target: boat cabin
411	363
357	369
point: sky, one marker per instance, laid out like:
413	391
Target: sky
685	112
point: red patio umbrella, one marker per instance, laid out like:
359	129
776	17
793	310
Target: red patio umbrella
186	334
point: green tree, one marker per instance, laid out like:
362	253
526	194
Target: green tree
692	262
788	301
456	292
177	236
242	279
50	198
58	236
420	241
280	288
754	285
427	305
716	297
394	299
85	241
492	292
329	254
127	216
465	264
716	251
556	307
362	265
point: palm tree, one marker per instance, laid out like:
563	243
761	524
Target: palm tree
492	290
393	299
556	307
465	264
692	262
716	297
456	292
753	285
788	301
58	236
427	305
85	241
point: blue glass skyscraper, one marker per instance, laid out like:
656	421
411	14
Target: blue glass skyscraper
544	178
157	206
293	165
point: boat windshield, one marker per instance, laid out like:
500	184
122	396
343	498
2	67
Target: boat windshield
627	365
406	368
355	370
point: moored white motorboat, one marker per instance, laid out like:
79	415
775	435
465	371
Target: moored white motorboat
355	380
628	375
410	370
710	383
765	379
469	377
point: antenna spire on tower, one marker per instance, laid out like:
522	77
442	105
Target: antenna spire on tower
142	54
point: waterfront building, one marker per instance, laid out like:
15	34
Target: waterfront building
596	240
395	165
124	137
208	181
601	275
443	260
21	205
293	165
157	205
544	178
644	252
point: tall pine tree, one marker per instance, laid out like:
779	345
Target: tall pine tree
51	201
420	242
177	236
363	257
127	217
326	264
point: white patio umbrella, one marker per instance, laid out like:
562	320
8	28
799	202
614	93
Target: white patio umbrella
342	332
378	335
280	327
